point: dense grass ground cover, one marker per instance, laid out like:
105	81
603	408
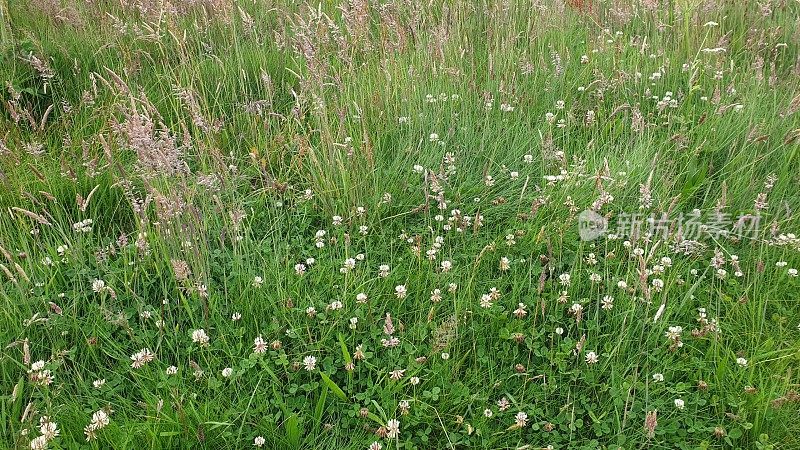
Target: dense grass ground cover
261	223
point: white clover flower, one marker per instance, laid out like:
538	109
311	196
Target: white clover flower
591	357
393	429
658	284
658	377
48	429
259	345
39	443
505	264
199	336
310	363
227	372
742	362
98	285
679	403
141	358
674	332
335	305
446	266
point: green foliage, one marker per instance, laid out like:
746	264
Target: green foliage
172	169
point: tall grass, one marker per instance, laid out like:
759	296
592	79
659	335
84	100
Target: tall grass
209	142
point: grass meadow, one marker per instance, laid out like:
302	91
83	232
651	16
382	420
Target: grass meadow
399	224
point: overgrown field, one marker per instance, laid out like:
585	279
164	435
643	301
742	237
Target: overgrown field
399	224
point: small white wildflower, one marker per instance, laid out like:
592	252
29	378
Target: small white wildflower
199	336
393	429
98	285
658	377
446	266
742	362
